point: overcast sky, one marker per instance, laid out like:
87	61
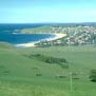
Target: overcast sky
47	11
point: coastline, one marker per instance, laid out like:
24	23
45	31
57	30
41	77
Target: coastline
32	44
57	36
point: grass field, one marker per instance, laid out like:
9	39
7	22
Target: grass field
24	75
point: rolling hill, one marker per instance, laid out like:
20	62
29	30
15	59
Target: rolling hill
29	71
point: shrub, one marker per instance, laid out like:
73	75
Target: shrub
92	75
50	60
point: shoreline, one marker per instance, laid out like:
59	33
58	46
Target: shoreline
57	36
32	44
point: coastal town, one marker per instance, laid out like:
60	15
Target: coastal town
66	35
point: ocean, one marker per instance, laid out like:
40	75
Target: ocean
7	34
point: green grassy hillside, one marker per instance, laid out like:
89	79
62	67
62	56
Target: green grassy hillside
42	29
39	71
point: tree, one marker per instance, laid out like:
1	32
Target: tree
92	75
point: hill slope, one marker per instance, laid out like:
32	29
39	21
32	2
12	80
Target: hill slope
24	73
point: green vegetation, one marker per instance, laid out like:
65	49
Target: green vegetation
38	71
50	60
41	29
93	75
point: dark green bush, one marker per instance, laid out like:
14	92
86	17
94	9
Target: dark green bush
50	60
92	75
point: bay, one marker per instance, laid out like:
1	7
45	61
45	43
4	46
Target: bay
23	38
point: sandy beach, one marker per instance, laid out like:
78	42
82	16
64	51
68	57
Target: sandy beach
32	44
57	36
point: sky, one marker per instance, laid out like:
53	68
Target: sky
47	11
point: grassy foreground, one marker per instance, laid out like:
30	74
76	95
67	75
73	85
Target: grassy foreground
21	75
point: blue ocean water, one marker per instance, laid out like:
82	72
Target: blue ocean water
7	34
22	38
